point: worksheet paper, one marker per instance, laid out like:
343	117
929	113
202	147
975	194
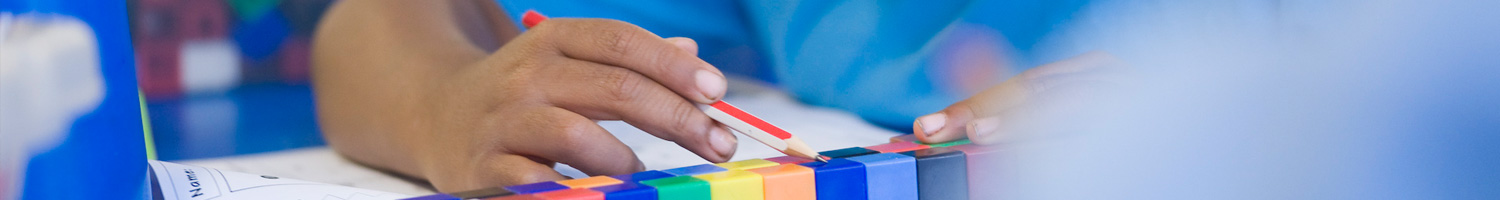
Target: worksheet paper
174	181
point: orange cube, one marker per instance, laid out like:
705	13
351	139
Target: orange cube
788	181
590	182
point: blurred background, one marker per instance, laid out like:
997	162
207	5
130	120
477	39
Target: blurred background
1234	99
226	77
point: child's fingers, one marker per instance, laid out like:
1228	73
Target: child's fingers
616	93
938	127
1066	102
952	122
492	171
560	135
621	44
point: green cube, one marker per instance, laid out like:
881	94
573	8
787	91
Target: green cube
680	188
953	143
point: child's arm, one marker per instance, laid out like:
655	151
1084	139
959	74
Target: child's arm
413	87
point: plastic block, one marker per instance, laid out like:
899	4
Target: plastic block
694	170
895	147
514	197
906	138
949	144
641	176
627	191
889	175
571	194
983	164
839	179
788	181
536	187
789	160
434	197
734	185
680	188
848	152
589	182
483	193
942	173
747	164
913	139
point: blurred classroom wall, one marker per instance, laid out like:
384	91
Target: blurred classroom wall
226	77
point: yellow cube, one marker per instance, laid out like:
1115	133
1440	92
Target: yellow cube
747	164
734	184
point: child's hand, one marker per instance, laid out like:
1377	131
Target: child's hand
506	119
986	117
408	87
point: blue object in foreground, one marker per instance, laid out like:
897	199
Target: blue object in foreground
889	175
627	191
839	179
942	173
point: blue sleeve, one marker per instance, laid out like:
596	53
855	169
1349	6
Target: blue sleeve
865	57
873	57
719	27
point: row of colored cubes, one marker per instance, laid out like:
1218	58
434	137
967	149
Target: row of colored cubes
897	170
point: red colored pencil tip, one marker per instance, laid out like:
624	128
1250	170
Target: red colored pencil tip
531	18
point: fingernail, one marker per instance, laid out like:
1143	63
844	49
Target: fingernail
985	127
723	142
711	85
930	124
